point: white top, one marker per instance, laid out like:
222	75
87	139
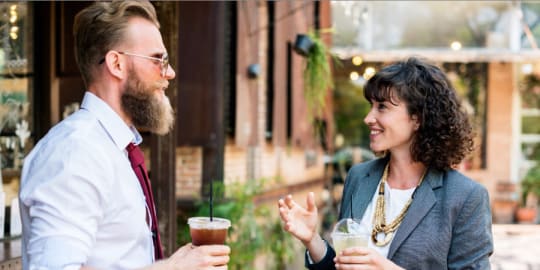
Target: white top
394	200
81	202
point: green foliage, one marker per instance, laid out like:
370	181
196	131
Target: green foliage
280	244
531	183
350	108
317	76
530	91
530	124
531	151
253	229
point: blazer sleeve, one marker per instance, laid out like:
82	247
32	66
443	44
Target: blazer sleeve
327	262
472	241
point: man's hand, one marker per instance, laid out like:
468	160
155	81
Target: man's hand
211	257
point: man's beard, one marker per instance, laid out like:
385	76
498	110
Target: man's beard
142	104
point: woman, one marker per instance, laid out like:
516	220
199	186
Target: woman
422	213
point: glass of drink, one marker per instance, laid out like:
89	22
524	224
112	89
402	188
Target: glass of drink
208	232
349	233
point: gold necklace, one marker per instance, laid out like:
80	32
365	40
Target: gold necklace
379	220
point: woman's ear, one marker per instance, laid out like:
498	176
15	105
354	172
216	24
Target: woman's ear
416	121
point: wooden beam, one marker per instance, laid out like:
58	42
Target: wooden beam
163	148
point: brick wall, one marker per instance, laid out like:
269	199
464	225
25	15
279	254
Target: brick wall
188	172
288	165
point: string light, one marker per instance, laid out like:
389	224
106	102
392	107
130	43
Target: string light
357	60
456	45
354	76
14	32
368	73
13	16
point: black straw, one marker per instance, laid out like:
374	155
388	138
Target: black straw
352	197
211	201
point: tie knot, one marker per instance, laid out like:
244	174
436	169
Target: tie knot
130	147
135	154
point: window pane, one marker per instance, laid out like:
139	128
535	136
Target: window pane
16	80
383	25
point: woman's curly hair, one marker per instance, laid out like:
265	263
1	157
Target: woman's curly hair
444	137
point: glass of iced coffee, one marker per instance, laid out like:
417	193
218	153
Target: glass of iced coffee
208	232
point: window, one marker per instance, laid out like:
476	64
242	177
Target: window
529	86
15	83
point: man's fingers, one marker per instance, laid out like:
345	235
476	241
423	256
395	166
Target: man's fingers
218	250
219	260
214	250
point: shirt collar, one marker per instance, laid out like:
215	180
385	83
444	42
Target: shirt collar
118	130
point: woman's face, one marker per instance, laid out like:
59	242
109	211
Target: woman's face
391	126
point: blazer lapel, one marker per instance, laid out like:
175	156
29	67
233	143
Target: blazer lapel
362	188
423	201
363	195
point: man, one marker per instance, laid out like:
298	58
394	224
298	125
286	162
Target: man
82	203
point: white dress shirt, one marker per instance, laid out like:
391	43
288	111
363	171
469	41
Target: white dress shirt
81	202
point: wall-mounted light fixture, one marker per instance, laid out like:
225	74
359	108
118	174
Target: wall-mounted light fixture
254	70
303	44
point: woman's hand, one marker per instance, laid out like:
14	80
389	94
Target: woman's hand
363	258
299	221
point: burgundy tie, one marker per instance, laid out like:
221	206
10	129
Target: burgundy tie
136	157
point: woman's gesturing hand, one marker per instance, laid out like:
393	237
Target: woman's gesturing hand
299	221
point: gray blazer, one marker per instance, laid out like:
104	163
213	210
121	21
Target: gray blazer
448	225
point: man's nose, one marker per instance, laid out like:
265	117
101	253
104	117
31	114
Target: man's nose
170	74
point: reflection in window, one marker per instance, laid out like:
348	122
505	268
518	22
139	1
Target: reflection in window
15	83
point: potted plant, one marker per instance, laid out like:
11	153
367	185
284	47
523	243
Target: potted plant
530	192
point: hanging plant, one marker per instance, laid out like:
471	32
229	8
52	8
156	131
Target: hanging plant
317	73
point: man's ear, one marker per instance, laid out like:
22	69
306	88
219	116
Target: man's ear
115	64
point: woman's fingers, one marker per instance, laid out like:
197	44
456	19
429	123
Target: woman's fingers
310	202
289	201
355	251
356	258
284	214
